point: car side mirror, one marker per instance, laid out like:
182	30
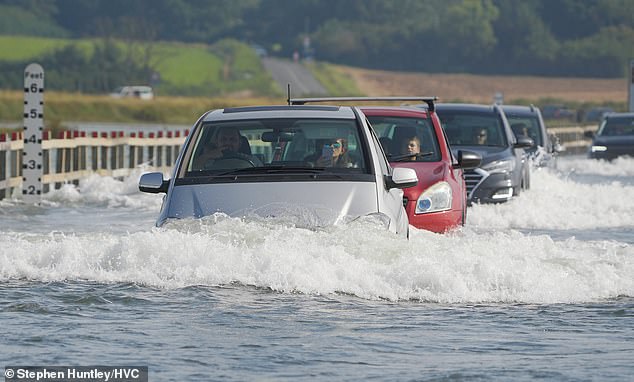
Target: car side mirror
468	159
153	183
524	142
588	134
402	177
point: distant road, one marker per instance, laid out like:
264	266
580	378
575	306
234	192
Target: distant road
286	72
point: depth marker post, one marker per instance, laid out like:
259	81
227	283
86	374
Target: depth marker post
33	126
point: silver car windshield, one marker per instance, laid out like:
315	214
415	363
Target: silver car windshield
472	129
293	144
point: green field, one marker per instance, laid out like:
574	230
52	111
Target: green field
17	48
223	68
193	79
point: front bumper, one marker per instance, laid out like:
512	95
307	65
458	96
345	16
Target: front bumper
484	187
438	222
611	153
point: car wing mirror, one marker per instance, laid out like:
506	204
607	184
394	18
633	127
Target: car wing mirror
588	134
468	159
401	177
153	183
524	142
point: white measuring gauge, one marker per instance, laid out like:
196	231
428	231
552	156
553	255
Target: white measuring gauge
33	127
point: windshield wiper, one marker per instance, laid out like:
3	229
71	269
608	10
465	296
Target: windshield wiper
270	170
295	169
402	157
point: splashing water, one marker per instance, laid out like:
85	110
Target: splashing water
538	248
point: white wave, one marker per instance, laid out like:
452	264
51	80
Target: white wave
105	191
622	166
557	201
359	258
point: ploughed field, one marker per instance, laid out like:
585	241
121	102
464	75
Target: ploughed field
481	89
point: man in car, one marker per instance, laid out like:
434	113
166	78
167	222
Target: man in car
226	144
481	136
520	129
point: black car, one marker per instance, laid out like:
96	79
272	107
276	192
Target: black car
596	114
558	112
614	138
484	129
527	121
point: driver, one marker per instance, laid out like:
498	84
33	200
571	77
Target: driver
225	145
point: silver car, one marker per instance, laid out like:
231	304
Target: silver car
321	161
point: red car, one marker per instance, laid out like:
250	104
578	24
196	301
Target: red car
438	202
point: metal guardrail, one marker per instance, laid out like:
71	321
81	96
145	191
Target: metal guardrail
73	155
573	138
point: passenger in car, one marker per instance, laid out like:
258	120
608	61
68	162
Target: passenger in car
335	154
520	129
411	145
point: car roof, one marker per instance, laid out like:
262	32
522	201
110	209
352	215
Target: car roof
280	111
620	115
519	109
397	111
469	107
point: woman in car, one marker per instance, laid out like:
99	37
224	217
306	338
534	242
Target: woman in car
335	154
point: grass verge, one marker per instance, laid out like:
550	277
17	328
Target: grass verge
61	107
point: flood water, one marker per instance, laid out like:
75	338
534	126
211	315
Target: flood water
540	288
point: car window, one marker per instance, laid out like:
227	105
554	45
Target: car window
396	132
473	129
526	126
617	126
383	162
329	144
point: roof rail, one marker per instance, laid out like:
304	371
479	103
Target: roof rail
301	101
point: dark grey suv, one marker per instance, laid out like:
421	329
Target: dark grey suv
484	129
527	121
615	137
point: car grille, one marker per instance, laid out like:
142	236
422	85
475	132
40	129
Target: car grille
472	179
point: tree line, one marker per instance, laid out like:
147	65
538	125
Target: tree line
588	38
